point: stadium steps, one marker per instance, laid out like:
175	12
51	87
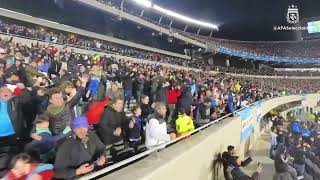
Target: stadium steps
260	153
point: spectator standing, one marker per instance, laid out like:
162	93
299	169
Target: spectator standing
114	92
273	141
174	93
139	83
55	66
61	112
145	107
135	130
12	123
127	84
111	128
44	143
184	123
156	127
185	100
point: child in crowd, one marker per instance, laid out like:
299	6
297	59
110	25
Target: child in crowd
135	128
44	142
96	73
184	123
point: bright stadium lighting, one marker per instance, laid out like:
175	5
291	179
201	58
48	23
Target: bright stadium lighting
184	18
149	4
144	3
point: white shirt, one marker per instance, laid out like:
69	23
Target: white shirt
273	139
156	133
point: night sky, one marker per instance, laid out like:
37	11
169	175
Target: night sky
237	19
245	19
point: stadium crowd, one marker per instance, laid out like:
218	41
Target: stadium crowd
101	46
90	43
58	105
308	49
295	147
64	115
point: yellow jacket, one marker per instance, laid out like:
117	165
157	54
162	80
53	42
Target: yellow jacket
237	87
184	124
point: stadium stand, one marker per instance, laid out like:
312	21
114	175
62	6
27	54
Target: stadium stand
67	114
40	75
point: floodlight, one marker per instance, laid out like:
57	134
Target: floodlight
144	3
184	18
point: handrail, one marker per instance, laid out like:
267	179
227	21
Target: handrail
160	147
138	156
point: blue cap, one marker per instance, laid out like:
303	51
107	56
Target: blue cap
79	122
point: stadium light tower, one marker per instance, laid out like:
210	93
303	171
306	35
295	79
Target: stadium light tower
150	4
184	18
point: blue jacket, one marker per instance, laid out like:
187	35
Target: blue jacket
230	104
46	144
305	132
296	127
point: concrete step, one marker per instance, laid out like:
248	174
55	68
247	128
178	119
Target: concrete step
260	153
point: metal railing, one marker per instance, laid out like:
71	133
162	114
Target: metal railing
157	148
148	152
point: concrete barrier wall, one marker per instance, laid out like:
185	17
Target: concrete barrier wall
196	158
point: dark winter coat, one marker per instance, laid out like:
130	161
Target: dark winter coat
146	110
127	82
73	153
109	121
185	100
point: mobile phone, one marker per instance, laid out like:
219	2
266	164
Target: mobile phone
95	164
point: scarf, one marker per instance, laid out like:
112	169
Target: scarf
54	110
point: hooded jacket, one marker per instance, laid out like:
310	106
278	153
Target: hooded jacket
156	131
184	124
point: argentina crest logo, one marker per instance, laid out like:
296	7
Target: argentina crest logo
293	14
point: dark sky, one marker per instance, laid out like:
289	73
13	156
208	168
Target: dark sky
238	19
245	19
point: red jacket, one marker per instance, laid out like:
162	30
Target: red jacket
96	110
172	96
